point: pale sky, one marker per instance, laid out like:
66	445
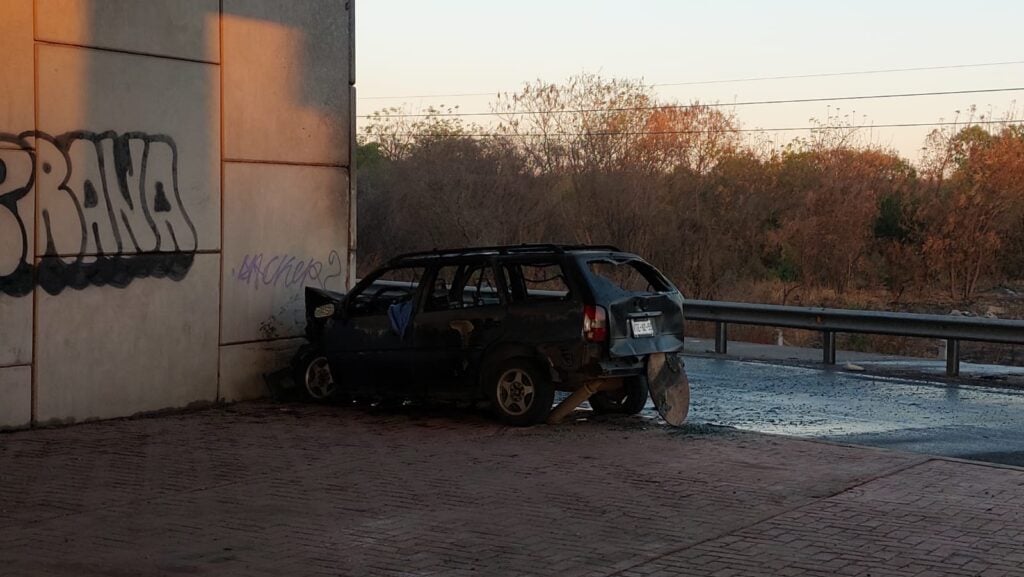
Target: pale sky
409	47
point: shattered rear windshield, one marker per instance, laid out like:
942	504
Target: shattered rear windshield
629	276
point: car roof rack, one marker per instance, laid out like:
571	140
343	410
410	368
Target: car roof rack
505	250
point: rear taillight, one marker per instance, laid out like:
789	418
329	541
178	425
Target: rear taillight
595	324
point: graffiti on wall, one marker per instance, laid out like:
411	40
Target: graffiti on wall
110	210
273	270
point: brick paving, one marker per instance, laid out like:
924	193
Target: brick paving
263	489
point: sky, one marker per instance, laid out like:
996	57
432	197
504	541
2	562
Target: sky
428	47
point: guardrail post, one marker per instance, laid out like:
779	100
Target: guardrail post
952	357
828	348
721	338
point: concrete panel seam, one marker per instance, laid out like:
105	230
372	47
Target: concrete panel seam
351	5
16	365
131	52
220	116
352	192
257	341
34	372
284	163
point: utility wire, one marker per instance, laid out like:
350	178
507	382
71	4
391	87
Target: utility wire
854	73
717	131
687	106
737	80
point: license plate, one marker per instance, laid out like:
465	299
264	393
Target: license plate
643	328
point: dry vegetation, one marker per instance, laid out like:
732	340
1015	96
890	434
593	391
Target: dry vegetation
829	220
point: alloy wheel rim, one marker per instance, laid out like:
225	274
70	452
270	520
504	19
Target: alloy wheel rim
319	382
516	392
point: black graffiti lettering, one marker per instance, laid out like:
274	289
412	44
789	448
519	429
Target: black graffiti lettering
87	159
111	211
163	200
17	176
121	177
58	204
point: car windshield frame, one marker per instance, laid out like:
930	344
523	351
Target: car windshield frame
352	298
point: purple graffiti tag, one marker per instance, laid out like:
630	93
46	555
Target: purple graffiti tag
285	270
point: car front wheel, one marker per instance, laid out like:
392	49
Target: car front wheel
313	375
520	392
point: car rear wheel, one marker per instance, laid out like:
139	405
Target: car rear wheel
313	375
628	400
520	392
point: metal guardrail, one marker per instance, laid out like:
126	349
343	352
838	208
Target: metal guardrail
832	321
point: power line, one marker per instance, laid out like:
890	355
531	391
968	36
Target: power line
854	73
717	131
687	106
738	80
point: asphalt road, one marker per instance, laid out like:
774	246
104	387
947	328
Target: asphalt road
965	421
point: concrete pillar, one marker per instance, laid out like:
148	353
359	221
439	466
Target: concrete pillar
169	192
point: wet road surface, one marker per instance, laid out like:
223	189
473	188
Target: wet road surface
964	421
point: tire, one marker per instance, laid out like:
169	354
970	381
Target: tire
521	394
313	375
617	403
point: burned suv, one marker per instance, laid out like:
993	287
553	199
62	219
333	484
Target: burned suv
509	325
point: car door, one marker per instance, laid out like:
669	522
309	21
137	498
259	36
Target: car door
369	347
463	313
544	310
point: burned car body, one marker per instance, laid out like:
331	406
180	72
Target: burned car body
509	325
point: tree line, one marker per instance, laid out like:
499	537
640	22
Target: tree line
718	209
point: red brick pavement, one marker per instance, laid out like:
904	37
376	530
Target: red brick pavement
260	489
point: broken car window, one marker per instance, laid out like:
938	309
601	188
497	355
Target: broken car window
392	286
536	282
479	288
629	276
442	288
466	286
